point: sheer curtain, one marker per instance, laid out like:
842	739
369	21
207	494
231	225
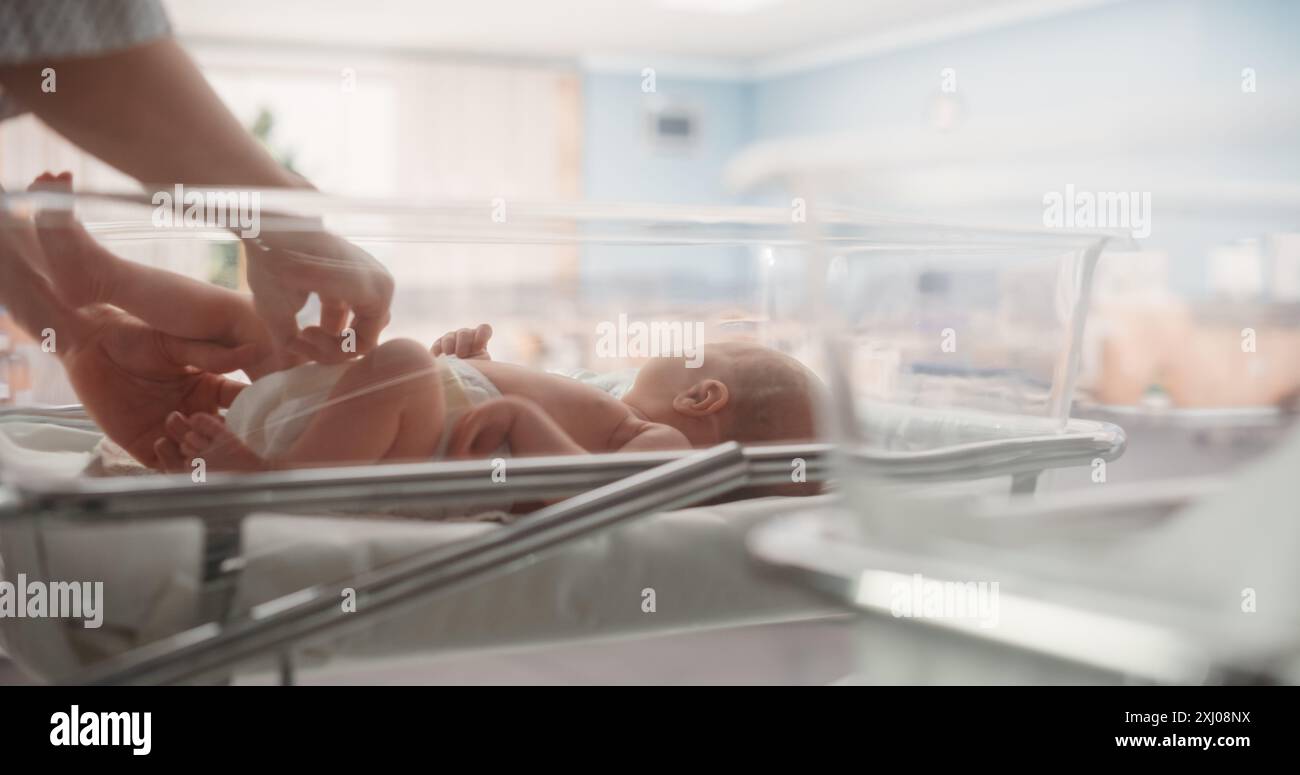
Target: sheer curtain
377	125
373	124
429	128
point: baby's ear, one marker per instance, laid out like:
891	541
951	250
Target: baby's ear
708	396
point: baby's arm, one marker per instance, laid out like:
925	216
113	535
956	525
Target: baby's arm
650	436
522	424
529	430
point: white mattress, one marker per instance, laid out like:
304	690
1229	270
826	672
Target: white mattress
694	559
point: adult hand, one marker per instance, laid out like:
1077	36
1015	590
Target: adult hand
284	268
210	323
130	377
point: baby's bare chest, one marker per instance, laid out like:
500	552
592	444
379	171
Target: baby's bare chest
586	413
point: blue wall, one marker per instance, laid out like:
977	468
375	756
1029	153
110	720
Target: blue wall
1141	59
1130	56
622	165
1147	51
1141	62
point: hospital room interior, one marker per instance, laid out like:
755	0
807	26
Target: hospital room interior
743	342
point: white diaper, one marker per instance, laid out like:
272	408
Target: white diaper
272	413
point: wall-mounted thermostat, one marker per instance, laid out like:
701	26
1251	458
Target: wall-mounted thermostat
672	129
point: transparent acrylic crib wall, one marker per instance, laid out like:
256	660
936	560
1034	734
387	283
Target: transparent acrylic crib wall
915	316
986	321
548	277
975	334
982	319
565	287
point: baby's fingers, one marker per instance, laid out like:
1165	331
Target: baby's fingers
445	346
465	343
208	356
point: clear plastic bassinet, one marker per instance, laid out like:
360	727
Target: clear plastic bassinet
220	567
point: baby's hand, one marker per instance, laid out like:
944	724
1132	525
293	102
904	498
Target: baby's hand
465	343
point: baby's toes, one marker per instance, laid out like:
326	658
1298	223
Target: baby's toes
169	455
52	218
207	424
176	426
195	444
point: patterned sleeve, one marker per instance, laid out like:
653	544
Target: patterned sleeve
33	31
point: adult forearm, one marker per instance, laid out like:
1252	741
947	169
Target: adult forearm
149	112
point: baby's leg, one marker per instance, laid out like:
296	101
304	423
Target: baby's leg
388	406
81	269
205	437
86	273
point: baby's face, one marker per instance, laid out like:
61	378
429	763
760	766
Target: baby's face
662	379
752	392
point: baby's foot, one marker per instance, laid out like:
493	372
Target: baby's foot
208	439
83	271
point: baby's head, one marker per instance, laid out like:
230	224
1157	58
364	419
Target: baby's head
739	392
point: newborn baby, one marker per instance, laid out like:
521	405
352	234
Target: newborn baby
402	401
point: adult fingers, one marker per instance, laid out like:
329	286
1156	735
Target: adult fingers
275	301
367	328
333	315
353	277
228	391
208	356
277	309
318	345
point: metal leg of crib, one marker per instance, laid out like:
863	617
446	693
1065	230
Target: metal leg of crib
286	668
222	545
70	412
1024	484
313	614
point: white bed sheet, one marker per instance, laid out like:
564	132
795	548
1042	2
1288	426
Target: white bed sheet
693	559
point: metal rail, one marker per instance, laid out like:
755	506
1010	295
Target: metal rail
278	626
375	486
443	483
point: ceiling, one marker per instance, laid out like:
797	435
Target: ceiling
737	33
